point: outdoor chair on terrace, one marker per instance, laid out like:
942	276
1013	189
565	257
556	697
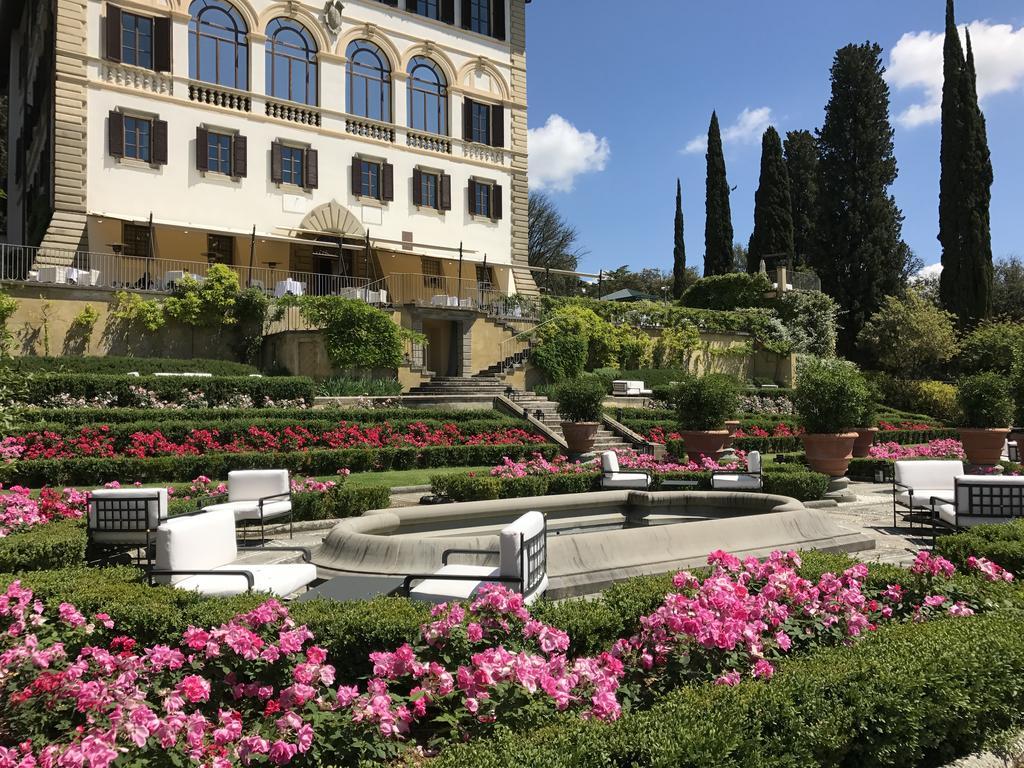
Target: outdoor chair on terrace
915	482
978	500
256	495
125	520
522	558
612	478
622	388
732	480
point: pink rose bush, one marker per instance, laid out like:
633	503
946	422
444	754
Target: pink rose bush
20	510
560	465
936	449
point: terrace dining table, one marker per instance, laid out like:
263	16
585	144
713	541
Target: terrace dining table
289	286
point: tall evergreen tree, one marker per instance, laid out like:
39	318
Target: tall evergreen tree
860	255
802	166
773	212
718	224
679	278
965	285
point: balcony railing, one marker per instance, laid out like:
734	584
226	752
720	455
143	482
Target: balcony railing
445	292
803	280
128	76
219	97
295	113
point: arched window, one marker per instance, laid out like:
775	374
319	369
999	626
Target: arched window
218	46
428	97
369	82
291	62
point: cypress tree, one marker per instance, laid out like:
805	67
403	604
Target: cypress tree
977	178
860	255
950	161
718	225
802	166
679	248
773	212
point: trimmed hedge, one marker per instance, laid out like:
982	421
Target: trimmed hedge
90	471
337	503
43	547
915	694
122	365
1002	543
218	389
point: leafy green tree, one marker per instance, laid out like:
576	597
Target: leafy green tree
991	346
773	207
965	185
679	274
861	257
355	334
909	336
1008	289
207	303
801	152
718	223
653	281
552	244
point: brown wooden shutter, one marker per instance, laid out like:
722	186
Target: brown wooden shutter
417	186
276	173
496	202
357	176
467	17
472	196
159	148
444	196
162	44
387	182
467	119
239	157
497	126
202	149
411	6
312	178
113	33
448	11
115	134
498	19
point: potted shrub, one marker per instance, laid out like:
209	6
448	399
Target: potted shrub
986	410
580	404
866	434
703	405
830	397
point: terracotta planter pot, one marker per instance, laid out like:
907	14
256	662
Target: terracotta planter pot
865	437
829	454
704	443
733	427
580	436
983	446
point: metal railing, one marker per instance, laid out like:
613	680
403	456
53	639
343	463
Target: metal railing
439	291
803	280
139	273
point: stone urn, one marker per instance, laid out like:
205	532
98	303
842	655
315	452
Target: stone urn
865	438
829	454
733	427
704	443
580	435
983	447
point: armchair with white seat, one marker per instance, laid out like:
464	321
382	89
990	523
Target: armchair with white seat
199	553
125	520
979	500
612	478
736	480
256	495
915	482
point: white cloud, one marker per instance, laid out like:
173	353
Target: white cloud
747	129
915	63
559	152
932	270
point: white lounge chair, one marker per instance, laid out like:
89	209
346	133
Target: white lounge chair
122	519
257	495
199	553
623	388
915	482
522	562
979	500
612	478
731	480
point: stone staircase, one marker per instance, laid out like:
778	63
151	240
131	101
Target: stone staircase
504	367
454	385
532	402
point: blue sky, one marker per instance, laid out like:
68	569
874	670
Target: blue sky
616	100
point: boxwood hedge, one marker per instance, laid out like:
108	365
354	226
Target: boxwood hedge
1003	543
122	365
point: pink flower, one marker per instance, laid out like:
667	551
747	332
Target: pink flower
763	669
729	678
281	752
195	688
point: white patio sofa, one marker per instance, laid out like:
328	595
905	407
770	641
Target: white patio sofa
200	553
256	495
979	500
1011	451
125	519
915	482
612	478
731	480
522	563
622	388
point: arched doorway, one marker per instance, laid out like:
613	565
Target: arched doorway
338	257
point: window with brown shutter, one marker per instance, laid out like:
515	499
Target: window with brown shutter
446	192
467	119
160	142
112	31
357	176
312	178
115	134
162	44
498	22
417	186
202	149
275	163
467	15
448	11
239	157
387	182
472	196
497	126
496	202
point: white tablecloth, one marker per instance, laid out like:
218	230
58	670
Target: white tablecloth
53	274
289	286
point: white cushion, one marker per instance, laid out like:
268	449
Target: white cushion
281	579
646	391
447	590
105	531
754	461
735	483
250	510
252	484
609	461
634	480
929	473
1006	502
513	559
196	543
922	496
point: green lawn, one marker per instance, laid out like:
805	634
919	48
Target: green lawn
404	477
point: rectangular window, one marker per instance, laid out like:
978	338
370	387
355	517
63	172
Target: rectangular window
482	199
431	272
484	276
481	132
135	239
428	8
137	40
428	190
137	131
220	249
369	180
291	166
218	153
480	16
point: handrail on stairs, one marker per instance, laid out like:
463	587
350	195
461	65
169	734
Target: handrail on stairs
504	349
503	402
